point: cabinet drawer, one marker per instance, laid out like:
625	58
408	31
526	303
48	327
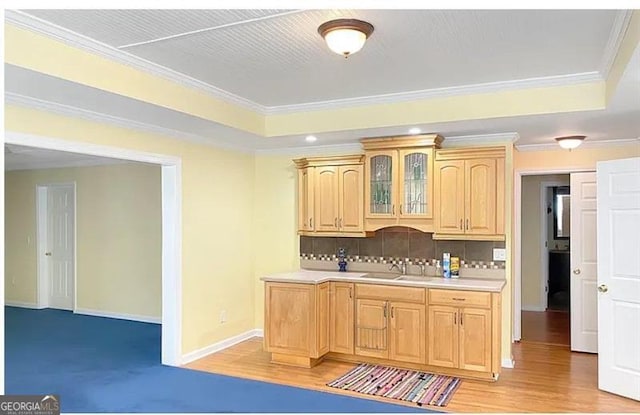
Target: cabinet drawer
390	292
460	298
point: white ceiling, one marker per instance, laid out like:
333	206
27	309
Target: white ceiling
521	48
276	57
30	158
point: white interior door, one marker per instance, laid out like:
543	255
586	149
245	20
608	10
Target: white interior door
583	241
60	246
619	277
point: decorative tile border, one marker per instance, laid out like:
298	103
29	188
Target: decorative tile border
409	261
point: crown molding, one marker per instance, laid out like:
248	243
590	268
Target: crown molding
586	144
480	139
547	81
40	165
306	151
35	24
75	112
29	22
616	36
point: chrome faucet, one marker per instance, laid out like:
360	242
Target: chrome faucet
402	268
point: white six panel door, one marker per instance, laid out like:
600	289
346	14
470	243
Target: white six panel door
60	245
584	306
619	277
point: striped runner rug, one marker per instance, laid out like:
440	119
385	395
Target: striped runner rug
407	385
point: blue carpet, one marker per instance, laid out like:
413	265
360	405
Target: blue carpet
105	365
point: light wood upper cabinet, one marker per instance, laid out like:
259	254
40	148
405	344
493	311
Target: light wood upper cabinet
342	312
326	203
450	196
330	196
469	194
305	200
398	181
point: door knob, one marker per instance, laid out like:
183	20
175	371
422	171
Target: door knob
576	271
603	288
47	253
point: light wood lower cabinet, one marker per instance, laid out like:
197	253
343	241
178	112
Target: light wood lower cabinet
341	311
388	329
461	336
297	321
426	329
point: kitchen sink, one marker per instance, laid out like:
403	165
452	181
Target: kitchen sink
416	278
381	276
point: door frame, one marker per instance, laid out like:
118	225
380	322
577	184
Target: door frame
544	231
171	172
42	282
516	332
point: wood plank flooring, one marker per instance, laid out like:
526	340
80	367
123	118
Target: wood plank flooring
547	378
551	327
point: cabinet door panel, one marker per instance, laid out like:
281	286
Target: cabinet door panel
323	316
305	199
480	196
475	339
326	195
371	328
381	184
351	199
341	324
443	336
416	183
408	332
290	317
449	196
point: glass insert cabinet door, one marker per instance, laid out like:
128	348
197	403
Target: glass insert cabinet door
415	183
381	190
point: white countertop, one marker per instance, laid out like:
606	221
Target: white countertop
305	276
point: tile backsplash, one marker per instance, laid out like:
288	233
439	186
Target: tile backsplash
400	242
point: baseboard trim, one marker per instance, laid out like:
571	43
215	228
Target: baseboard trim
221	345
533	308
22	304
508	363
119	316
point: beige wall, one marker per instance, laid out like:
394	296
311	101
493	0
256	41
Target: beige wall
119	236
217	220
532	237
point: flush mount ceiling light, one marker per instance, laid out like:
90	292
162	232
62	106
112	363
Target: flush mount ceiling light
345	36
571	141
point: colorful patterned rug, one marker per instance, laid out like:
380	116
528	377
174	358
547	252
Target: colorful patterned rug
407	385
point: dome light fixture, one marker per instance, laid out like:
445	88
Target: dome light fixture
571	141
345	36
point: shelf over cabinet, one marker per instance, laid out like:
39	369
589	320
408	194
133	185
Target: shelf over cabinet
399	181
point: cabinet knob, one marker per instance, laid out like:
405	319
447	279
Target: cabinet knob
577	271
47	253
603	288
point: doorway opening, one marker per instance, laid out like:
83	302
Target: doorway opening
545	295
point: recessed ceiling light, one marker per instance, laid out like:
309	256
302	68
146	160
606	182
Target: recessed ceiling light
310	138
414	131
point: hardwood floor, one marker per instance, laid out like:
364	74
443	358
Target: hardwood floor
547	378
551	327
